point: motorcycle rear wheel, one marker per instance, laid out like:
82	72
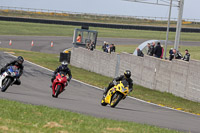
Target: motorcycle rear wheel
6	84
115	99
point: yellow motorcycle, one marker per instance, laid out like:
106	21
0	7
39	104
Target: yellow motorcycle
115	94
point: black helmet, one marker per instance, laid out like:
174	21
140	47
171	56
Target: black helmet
20	59
127	74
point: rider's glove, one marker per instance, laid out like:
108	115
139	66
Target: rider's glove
114	82
130	90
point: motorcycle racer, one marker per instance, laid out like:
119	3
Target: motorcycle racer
62	68
19	64
126	77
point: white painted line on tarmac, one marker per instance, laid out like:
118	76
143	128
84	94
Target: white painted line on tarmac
102	90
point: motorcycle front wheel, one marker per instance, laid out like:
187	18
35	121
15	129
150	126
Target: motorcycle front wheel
57	90
115	99
5	84
103	102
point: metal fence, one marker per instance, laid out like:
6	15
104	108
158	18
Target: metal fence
100	17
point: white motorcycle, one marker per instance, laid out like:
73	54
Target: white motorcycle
8	77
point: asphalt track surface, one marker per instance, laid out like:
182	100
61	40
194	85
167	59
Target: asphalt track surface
43	43
85	99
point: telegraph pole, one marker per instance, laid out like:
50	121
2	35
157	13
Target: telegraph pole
167	35
179	24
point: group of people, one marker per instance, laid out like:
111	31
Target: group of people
108	48
90	46
175	54
158	51
155	50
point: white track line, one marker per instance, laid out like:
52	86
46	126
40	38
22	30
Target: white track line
102	90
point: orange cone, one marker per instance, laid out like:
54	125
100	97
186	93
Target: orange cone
10	43
32	44
51	43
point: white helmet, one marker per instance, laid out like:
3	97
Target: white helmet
64	63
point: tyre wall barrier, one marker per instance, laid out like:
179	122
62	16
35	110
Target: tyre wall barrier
178	77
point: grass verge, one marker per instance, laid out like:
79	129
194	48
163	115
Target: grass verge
51	61
18	117
21	28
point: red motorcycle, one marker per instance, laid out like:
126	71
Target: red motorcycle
59	84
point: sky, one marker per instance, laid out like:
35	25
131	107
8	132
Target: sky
113	7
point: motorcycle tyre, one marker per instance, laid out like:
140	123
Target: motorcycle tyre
119	97
57	90
7	84
103	102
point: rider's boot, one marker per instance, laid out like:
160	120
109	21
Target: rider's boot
105	92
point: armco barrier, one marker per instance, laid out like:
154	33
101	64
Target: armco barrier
177	77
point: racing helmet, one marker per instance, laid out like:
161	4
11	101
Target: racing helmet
20	59
127	74
64	65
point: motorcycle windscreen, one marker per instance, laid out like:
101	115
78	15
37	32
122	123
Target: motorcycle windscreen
62	74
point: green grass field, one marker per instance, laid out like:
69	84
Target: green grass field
16	117
34	29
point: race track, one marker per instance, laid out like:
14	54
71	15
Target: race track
85	99
82	98
43	43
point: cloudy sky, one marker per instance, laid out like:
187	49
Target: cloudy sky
118	7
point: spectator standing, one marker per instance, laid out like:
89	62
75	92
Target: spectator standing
152	49
104	46
158	50
107	48
149	48
178	55
78	39
139	53
112	48
162	52
91	46
187	56
171	54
